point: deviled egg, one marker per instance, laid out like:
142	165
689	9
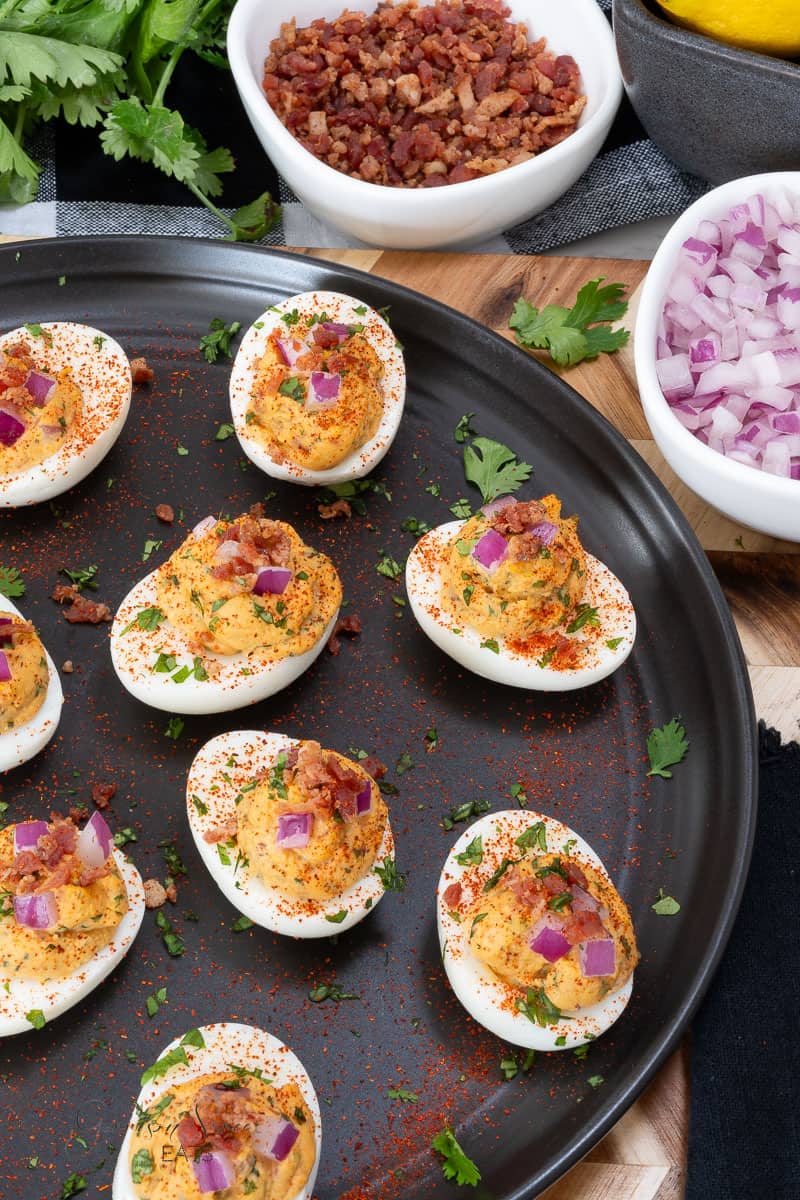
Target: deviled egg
234	615
65	392
296	837
71	907
227	1110
30	689
512	595
317	389
537	943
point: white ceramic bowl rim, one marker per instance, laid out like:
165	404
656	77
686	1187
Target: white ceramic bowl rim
587	12
711	206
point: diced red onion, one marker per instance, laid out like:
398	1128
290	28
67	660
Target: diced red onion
325	387
11	427
274	1137
40	386
548	940
728	339
289	352
94	841
598	958
583	901
213	1171
495	506
36	910
342	331
294	830
545	531
203	526
274	580
27	834
490	549
364	799
52	431
7	638
5	669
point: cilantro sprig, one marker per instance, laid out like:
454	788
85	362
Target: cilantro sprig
11	582
493	468
570	335
666	747
456	1164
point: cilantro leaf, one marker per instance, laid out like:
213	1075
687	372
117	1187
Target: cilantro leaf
493	468
217	342
666	747
665	906
570	335
11	583
594	303
456	1164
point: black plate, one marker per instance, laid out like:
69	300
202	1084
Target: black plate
581	757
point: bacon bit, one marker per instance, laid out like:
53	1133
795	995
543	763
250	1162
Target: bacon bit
518	516
78	812
90	875
140	372
373	766
574	874
82	611
349	625
67	667
452	895
584	926
102	794
222	833
339	508
165	513
172	893
328	784
189	1133
154	894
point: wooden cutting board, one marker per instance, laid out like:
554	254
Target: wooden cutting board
644	1156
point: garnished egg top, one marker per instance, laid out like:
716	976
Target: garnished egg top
65	392
71	907
512	595
235	614
30	689
537	942
297	837
318	389
227	1110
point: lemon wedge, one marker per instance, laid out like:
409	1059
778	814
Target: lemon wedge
768	27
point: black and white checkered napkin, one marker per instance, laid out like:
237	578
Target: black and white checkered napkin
82	191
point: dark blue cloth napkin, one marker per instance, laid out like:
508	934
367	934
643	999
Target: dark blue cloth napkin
83	191
744	1138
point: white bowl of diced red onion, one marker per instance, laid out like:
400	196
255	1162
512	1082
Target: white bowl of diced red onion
717	350
459	214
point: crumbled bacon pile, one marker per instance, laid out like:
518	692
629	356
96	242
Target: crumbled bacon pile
321	776
15	366
581	917
52	864
349	625
420	96
248	546
222	1118
82	610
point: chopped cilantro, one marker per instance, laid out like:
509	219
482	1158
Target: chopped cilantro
538	1008
154	1002
224	432
294	388
150	545
413	525
666	747
472	808
519	794
391	879
534	835
173	943
584	615
493	468
572	334
402	1094
337	918
490	644
36	1018
123	836
142	1164
73	1184
463	429
240	924
329	991
612	643
665	906
81	577
595	1081
461	509
388	566
217	342
456	1164
174	728
473	855
404	763
11	583
497	875
148	619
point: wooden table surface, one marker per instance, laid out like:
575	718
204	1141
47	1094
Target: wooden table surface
644	1156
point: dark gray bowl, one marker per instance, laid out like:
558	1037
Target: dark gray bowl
716	111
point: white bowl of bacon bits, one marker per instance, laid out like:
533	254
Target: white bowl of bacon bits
717	350
427	123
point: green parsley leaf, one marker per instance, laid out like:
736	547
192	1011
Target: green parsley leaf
149	619
194	1038
666	747
73	1184
533	836
141	1165
665	906
473	855
240	924
150	545
329	991
81	577
173	943
612	643
573	334
404	763
164	1064
461	509
294	388
538	1008
519	794
584	615
472	808
463	429
174	728
490	644
497	875
154	1002
37	331
402	1094
391	879
224	432
493	468
412	525
36	1018
388	566
123	836
456	1164
11	583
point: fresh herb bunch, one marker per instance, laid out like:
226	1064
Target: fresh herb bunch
108	64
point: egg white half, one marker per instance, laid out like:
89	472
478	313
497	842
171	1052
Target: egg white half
55	997
18	745
602	590
102	372
340	308
226	1043
486	997
216	779
234	680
